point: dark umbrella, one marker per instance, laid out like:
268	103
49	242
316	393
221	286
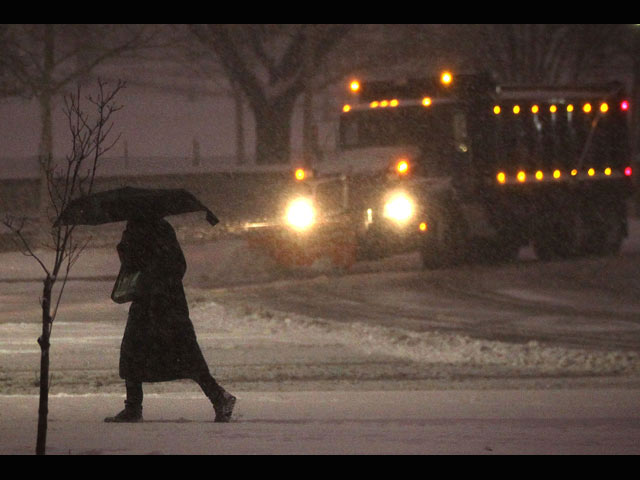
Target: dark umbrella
130	203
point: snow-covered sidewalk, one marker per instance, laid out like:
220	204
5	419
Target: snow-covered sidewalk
572	421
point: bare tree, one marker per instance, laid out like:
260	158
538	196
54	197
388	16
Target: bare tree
198	61
42	61
65	182
8	85
271	64
534	53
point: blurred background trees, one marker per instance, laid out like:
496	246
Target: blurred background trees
47	61
270	70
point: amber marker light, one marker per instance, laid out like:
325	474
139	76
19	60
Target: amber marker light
402	167
586	108
574	172
374	104
496	109
521	176
553	108
516	109
535	109
607	171
426	101
446	78
354	86
300	174
557	174
539	175
604	108
502	178
346	108
591	172
569	108
423	226
393	103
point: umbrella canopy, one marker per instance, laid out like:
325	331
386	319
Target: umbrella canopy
129	203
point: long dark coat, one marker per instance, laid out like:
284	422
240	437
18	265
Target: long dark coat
159	341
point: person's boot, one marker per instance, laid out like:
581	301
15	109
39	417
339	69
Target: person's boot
223	406
132	413
222	401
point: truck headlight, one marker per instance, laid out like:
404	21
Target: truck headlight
399	207
300	213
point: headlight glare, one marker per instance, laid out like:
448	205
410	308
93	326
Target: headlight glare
399	207
300	213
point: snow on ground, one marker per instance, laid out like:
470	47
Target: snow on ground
339	422
305	383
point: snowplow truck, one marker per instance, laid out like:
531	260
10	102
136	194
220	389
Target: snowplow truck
462	169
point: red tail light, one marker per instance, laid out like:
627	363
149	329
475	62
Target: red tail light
624	105
628	171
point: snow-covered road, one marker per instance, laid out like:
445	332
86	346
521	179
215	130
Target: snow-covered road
385	321
586	303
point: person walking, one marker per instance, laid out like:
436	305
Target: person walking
159	342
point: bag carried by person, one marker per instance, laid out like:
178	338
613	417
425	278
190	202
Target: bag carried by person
124	290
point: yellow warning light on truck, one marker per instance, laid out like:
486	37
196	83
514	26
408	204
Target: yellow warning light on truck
354	86
446	78
402	167
300	174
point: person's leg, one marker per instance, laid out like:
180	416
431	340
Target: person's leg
132	405
223	402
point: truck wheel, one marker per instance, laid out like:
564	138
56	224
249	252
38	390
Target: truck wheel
607	233
432	257
503	251
442	246
367	249
563	236
542	247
